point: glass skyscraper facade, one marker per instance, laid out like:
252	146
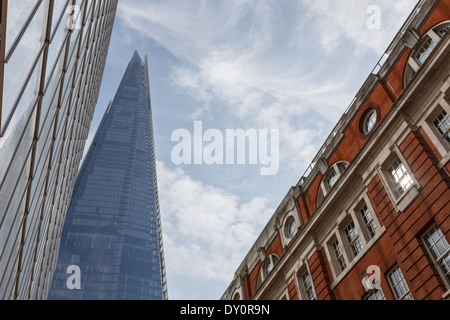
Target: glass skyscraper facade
52	57
113	229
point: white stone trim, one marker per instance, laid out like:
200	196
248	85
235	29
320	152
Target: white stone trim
400	202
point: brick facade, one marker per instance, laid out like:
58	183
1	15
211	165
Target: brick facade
404	129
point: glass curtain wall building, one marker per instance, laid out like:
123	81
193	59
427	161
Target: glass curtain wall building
113	227
52	57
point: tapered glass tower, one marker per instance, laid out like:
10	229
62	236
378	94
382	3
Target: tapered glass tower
112	231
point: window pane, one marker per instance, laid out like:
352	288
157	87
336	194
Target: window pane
339	256
426	50
291	228
368	221
353	239
307	286
442	124
400	176
439	249
18	13
444	30
269	267
399	285
20	64
332	179
370	121
59	7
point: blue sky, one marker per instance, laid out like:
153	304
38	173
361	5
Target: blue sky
289	65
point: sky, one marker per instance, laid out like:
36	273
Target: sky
287	68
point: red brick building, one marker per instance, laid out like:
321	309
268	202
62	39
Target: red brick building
370	217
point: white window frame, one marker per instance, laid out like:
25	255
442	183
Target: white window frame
354	241
445	122
292	217
334	259
351	214
369	222
414	64
308	293
369	120
291	227
402	281
301	269
429	42
403	200
437	260
355	212
339	169
399	177
287	212
267	264
442	145
271	259
332	178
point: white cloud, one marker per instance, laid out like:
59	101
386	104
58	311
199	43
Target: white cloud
241	53
341	21
207	231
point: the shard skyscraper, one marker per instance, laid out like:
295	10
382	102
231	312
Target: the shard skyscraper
112	232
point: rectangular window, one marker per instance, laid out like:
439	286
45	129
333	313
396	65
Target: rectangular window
353	239
375	295
400	177
442	124
439	249
308	290
369	223
339	256
399	285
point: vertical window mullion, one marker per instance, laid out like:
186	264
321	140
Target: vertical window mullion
439	250
399	285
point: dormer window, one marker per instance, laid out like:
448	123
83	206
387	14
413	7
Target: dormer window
423	50
266	269
330	179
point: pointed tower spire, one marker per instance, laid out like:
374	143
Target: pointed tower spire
114	213
136	56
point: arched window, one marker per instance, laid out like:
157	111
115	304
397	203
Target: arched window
423	49
330	179
266	269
